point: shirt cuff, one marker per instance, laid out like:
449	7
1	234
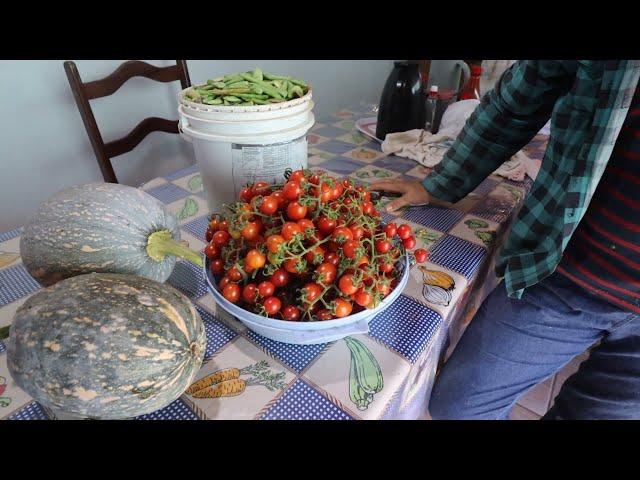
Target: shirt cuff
438	188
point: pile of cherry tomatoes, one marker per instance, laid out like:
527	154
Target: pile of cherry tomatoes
311	249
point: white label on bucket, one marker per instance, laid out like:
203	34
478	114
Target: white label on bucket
267	163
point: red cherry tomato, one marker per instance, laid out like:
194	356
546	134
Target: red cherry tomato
250	293
409	242
391	230
293	265
350	248
279	278
266	289
274	242
291	313
326	225
421	255
231	292
342	308
367	208
220	238
342	235
363	298
224	282
246	194
311	291
315	256
216	266
234	274
212	251
292	190
347	284
332	258
272	305
324	314
260	188
251	230
382	246
289	230
386	267
295	211
404	231
307	227
279	196
269	205
357	231
208	235
325	274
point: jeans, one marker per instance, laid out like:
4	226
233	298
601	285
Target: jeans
512	345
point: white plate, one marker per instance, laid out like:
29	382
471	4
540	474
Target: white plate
367	126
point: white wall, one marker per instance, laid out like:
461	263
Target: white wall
44	147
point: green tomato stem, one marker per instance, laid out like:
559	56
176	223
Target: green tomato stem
161	243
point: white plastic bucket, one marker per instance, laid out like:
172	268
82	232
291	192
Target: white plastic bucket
235	145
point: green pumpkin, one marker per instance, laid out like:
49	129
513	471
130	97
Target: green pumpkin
106	346
102	227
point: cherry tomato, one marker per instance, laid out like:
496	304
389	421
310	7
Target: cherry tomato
324	314
269	205
383	288
323	191
298	176
332	258
231	292
251	230
250	293
326	225
255	259
272	305
311	291
290	229
235	234
367	208
216	266
260	188
224	282
357	231
234	274
224	226
279	196
214	224
382	246
246	194
349	249
325	274
256	241
346	183
342	235
274	242
347	284
409	242
336	191
292	190
314	178
208	235
212	251
307	227
390	230
293	265
404	231
279	278
386	267
291	313
342	308
220	238
315	256
266	289
295	211
363	260
363	298
421	255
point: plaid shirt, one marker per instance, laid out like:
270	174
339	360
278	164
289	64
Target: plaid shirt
587	102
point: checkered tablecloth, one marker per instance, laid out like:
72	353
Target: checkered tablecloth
407	340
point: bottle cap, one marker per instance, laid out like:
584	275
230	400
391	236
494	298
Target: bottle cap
434	88
476	69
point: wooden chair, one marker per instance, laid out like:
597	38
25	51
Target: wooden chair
83	92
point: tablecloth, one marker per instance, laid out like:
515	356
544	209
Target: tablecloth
407	340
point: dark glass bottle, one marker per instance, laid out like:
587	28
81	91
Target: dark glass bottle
402	104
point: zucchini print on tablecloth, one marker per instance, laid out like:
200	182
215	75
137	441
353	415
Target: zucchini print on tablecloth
365	374
195	183
227	382
189	209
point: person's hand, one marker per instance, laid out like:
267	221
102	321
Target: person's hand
413	193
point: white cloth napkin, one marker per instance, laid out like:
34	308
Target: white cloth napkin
428	149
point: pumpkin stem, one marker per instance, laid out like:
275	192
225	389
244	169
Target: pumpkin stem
161	243
4	332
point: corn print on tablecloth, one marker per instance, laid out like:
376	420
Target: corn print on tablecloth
290	382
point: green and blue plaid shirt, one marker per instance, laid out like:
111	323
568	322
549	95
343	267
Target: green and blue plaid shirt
587	102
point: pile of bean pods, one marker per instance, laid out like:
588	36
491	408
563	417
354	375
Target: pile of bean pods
248	88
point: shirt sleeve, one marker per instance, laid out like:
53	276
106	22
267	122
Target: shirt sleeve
508	117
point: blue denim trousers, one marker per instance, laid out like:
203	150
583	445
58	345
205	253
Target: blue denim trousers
512	345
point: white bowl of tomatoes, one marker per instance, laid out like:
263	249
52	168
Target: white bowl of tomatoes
308	261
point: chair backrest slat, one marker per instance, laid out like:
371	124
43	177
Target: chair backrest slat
83	92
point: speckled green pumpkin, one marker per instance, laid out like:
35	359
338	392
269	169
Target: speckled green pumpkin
97	227
107	346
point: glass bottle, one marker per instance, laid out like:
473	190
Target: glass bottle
472	88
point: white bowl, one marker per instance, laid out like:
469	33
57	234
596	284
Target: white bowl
307	333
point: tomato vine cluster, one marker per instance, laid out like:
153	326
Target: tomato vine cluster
311	249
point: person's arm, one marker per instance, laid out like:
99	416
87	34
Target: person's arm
508	117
